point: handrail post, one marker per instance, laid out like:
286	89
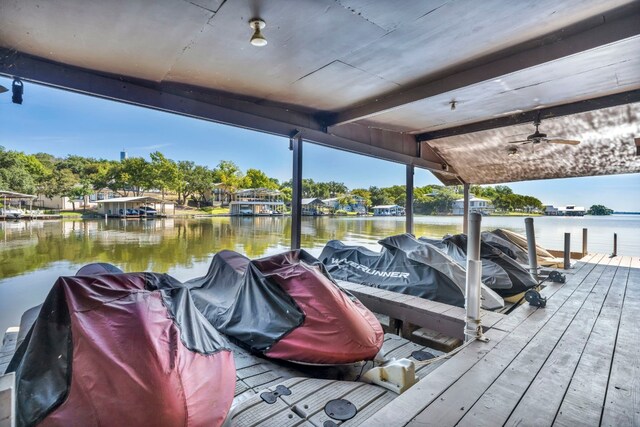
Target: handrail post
465	212
584	242
408	209
567	251
473	326
615	244
295	145
531	246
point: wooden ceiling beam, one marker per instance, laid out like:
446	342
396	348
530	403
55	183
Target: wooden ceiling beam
599	103
617	25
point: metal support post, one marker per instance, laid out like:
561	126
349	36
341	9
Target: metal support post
465	219
531	246
409	200
295	145
615	244
473	326
567	251
584	242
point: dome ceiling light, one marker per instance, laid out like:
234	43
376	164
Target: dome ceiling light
257	39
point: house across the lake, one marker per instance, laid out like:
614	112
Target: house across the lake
65	203
476	204
257	202
357	204
388	210
569	210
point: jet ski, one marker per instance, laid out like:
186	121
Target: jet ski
521	279
405	265
286	307
113	349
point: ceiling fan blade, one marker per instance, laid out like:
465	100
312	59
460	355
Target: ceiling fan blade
524	141
564	141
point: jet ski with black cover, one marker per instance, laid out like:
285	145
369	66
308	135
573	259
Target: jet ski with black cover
286	307
493	276
521	279
122	349
496	239
405	265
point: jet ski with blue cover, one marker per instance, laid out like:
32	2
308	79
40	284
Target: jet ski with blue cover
405	265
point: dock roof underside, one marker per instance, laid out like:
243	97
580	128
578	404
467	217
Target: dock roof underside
364	76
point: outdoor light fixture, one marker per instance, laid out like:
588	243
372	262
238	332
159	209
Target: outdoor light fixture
16	88
257	39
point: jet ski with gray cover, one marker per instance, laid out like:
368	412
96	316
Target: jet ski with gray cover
405	265
521	279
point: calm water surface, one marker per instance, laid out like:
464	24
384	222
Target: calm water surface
33	254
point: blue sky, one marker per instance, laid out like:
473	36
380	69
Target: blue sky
62	123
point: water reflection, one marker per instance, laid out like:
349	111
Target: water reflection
34	253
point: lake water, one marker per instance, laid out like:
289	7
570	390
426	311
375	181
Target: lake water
33	254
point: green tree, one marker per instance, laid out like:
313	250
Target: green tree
365	194
379	196
60	183
163	173
15	172
202	180
80	191
255	178
136	175
285	193
184	187
229	176
599	210
336	188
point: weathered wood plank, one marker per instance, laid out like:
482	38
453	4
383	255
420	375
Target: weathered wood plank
411	402
547	390
555	291
538	335
7	400
443	318
622	403
8	347
584	399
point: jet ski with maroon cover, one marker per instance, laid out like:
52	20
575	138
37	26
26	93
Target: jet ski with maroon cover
405	265
122	349
286	307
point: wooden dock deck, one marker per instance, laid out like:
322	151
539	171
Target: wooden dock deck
575	362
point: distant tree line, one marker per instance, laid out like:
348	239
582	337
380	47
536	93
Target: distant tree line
599	210
77	176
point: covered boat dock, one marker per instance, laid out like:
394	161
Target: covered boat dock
441	86
129	207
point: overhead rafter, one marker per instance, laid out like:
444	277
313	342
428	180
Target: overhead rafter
220	108
619	24
541	113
